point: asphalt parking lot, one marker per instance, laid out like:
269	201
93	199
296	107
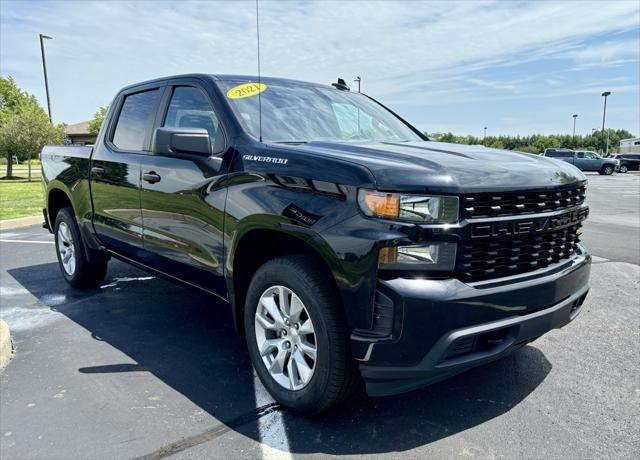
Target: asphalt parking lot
145	368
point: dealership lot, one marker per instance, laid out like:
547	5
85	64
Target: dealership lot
145	368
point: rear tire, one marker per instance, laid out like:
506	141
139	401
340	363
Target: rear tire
310	371
72	259
607	170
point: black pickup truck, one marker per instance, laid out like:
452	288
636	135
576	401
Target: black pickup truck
349	247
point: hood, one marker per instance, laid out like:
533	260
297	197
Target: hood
437	166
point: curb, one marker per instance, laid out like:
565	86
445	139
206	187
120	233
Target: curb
6	350
10	224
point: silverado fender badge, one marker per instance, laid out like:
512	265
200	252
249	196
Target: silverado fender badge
275	160
299	215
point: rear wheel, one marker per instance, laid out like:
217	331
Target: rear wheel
297	336
76	269
623	169
607	170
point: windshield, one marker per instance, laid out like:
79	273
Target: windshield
302	113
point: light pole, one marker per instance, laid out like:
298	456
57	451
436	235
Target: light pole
604	114
485	133
44	67
358	79
575	115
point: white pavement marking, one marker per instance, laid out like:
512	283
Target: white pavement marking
271	427
27	241
126	280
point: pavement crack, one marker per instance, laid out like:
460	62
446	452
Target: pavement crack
212	433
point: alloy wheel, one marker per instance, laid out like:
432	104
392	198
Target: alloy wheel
66	249
286	337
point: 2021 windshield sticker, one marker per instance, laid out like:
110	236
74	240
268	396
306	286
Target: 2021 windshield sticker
246	90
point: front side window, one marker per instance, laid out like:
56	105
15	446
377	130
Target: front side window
134	122
591	156
190	108
293	112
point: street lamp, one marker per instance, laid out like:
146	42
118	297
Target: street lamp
604	114
575	115
358	79
485	132
44	67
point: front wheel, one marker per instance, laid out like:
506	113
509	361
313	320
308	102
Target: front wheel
623	169
607	170
297	335
76	269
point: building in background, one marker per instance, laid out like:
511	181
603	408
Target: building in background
630	145
78	134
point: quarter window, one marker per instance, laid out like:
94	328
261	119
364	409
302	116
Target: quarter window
134	123
190	108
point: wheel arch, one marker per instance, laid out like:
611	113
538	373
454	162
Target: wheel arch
57	199
256	245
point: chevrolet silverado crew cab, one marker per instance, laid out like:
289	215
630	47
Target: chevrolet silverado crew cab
348	246
585	160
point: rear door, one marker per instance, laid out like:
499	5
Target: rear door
115	169
183	203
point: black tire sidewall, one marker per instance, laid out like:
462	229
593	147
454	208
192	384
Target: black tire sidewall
623	169
309	397
607	170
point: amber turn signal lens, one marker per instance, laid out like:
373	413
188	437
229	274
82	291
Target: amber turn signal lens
388	256
383	204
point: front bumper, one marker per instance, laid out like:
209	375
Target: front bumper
444	327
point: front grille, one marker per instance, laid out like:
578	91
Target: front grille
505	256
480	205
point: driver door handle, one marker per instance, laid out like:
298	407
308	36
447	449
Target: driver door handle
151	177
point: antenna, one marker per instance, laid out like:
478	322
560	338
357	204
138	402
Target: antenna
259	77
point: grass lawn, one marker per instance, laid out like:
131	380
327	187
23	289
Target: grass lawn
19	198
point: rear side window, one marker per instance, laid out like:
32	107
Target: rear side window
190	108
135	120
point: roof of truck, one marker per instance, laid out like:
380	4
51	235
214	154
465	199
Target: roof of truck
224	77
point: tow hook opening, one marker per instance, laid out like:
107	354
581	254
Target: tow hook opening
477	343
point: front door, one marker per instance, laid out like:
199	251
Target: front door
183	198
115	171
587	161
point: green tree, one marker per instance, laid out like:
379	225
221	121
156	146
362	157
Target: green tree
98	119
24	125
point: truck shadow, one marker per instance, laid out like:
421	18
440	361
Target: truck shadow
186	339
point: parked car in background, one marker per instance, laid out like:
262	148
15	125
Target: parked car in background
584	160
628	161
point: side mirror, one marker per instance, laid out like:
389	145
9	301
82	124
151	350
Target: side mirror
169	141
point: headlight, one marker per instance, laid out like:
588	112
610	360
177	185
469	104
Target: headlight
428	209
433	256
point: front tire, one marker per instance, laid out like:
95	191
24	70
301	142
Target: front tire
623	169
76	269
297	336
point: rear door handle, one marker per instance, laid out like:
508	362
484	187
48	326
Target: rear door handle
97	170
151	177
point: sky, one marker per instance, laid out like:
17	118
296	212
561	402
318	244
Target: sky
516	67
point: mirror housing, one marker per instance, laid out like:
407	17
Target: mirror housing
170	141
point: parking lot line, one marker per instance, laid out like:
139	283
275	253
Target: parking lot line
27	241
